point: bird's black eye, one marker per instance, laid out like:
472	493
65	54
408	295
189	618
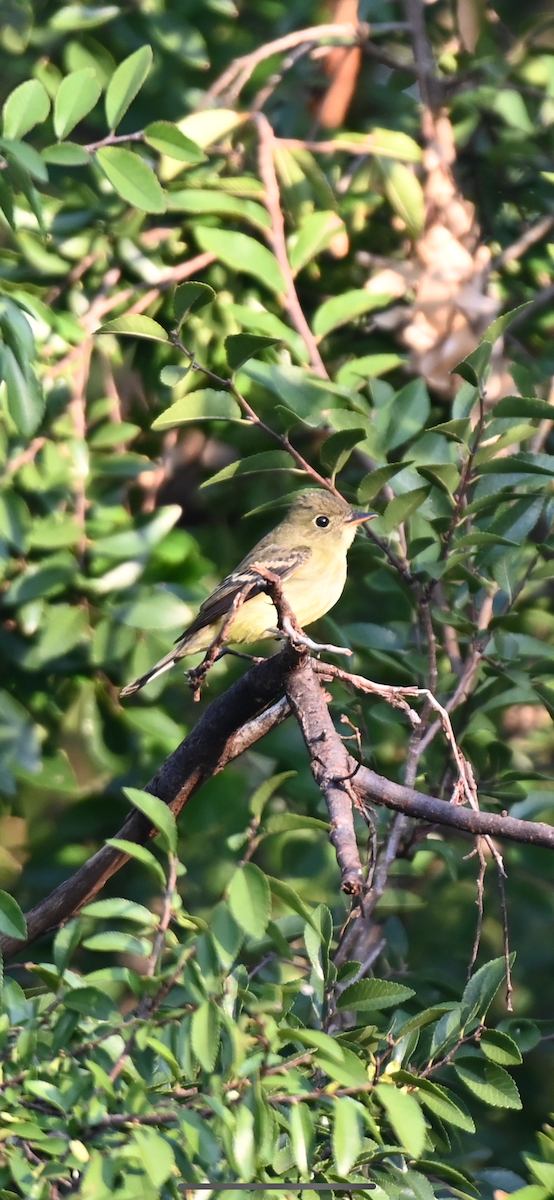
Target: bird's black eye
322	522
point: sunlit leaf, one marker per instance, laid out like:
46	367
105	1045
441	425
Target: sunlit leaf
132	178
126	81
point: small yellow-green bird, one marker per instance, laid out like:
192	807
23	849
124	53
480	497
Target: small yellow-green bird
307	550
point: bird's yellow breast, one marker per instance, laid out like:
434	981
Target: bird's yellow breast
311	591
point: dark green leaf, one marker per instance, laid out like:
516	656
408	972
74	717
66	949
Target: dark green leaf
402	507
500	1048
190	297
479	993
372	484
158	813
337	448
489	1082
527	408
473	368
25	402
90	1002
373	994
144	856
268	460
239	347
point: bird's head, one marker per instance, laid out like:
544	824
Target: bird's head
319	515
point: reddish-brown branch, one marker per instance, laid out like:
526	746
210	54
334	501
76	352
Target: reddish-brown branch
278	243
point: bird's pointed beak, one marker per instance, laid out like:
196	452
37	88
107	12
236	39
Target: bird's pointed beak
359	518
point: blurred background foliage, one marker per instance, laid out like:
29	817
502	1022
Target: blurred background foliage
108	542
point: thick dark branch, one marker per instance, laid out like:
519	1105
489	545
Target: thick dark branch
370	786
222	733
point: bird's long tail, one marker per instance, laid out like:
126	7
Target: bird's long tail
164	664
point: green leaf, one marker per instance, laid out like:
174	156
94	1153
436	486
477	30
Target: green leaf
404	193
12	920
204	405
155	1153
339	310
481	539
47	1092
347	1135
112	941
503	323
168	139
372	484
6	202
353	374
261	321
473	368
65	154
63	628
243	253
132	179
389	143
440	1101
142	855
227	935
500	1048
488	1081
405	1116
24	158
239	347
266	790
301	1136
205	1034
455	431
119	909
284	892
250	899
82	16
402	507
370	995
28	105
25	402
523	464
244	1145
286	821
268	460
481	989
124	84
314	1038
158	813
190	297
90	1002
337	448
445	476
136	326
316	232
195	200
76	96
525	407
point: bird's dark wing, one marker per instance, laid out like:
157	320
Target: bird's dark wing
279	559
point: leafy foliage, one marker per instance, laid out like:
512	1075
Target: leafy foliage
228	1033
